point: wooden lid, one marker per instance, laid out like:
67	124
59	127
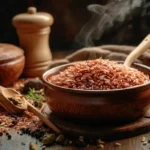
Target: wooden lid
9	52
32	19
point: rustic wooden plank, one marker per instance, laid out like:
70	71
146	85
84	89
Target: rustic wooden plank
16	143
107	130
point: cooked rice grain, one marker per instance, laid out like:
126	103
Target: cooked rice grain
98	74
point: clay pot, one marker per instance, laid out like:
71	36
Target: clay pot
12	62
104	105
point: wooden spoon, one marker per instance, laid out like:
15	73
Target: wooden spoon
10	107
140	49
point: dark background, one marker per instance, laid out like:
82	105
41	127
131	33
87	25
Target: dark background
69	16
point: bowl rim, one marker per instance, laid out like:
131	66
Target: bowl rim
51	71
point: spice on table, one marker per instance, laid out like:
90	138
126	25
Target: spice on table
1	133
79	143
118	144
81	138
26	122
100	146
145	143
22	143
15	100
66	142
49	139
60	139
34	146
44	147
70	142
8	135
143	139
99	141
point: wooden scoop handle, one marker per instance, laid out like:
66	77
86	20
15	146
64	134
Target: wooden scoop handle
140	49
43	118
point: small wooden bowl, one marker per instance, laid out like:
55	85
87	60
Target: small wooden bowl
12	62
105	105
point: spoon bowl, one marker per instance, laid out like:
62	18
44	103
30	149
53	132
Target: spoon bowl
7	93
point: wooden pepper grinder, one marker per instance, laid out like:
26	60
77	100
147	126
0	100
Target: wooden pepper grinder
33	29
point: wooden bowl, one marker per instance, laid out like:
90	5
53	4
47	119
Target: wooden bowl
12	62
105	105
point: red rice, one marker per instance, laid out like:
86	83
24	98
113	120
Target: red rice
26	120
98	74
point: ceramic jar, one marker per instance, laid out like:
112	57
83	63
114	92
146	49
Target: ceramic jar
12	62
33	29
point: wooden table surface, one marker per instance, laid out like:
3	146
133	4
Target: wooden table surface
21	142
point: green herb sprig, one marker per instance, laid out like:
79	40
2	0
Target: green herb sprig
32	94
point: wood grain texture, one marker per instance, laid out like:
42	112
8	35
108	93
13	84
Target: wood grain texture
126	144
107	131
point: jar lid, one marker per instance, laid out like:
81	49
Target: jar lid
32	19
9	52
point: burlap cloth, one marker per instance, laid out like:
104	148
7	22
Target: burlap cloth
111	52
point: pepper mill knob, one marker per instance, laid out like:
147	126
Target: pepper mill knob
32	10
33	29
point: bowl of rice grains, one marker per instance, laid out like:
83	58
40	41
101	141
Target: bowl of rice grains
98	90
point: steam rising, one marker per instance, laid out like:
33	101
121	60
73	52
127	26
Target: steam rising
104	18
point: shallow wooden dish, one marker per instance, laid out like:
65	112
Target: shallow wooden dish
107	105
12	62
